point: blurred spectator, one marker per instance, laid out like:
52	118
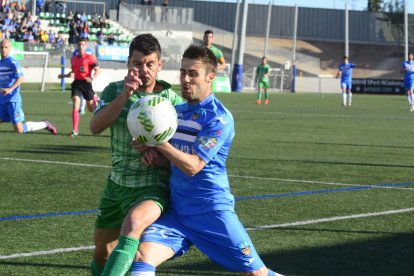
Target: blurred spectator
95	20
51	36
47	5
100	38
44	37
111	39
84	33
84	17
39	6
102	20
164	15
73	34
70	16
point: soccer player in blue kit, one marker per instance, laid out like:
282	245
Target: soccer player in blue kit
408	69
11	110
345	71
201	209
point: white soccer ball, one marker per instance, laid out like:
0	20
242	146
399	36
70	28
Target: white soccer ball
152	120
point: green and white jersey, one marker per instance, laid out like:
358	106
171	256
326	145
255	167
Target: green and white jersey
216	52
127	169
263	69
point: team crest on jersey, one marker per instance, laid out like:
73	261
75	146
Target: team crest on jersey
197	114
207	142
82	69
244	247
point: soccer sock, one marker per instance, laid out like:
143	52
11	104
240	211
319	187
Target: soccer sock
75	119
259	95
410	99
95	269
121	258
344	98
82	105
142	269
349	97
266	95
33	126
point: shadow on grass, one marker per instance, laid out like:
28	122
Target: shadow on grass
383	256
63	149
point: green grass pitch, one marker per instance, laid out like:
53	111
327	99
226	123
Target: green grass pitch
323	189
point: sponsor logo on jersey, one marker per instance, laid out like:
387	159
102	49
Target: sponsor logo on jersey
244	247
207	142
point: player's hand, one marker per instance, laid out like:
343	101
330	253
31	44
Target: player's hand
88	79
59	76
132	81
5	91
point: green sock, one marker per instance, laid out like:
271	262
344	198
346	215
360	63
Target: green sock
259	95
266	96
122	257
95	269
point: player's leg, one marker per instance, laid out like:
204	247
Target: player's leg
410	96
105	241
219	235
82	106
147	204
265	88
349	93
343	87
107	225
259	93
15	114
161	241
90	97
76	94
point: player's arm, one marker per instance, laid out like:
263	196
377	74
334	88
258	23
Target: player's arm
106	116
67	75
96	70
221	64
16	84
190	164
338	73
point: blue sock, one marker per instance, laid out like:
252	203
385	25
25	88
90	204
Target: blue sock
142	267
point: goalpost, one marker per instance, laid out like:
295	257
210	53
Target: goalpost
45	61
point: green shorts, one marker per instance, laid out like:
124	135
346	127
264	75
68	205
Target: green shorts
263	84
116	200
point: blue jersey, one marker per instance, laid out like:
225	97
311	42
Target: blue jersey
10	71
346	71
205	129
408	67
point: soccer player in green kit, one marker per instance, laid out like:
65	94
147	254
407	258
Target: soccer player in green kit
208	42
262	80
134	195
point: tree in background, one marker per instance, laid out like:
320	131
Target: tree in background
390	6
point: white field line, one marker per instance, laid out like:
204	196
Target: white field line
234	176
47	252
315	221
298	223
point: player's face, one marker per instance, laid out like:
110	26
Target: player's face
82	47
411	57
195	82
264	61
5	48
208	39
148	66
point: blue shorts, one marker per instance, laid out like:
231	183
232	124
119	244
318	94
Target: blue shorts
408	85
11	112
218	234
346	84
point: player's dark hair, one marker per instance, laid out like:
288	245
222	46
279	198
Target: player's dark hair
345	57
264	58
81	39
145	43
204	54
207	32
